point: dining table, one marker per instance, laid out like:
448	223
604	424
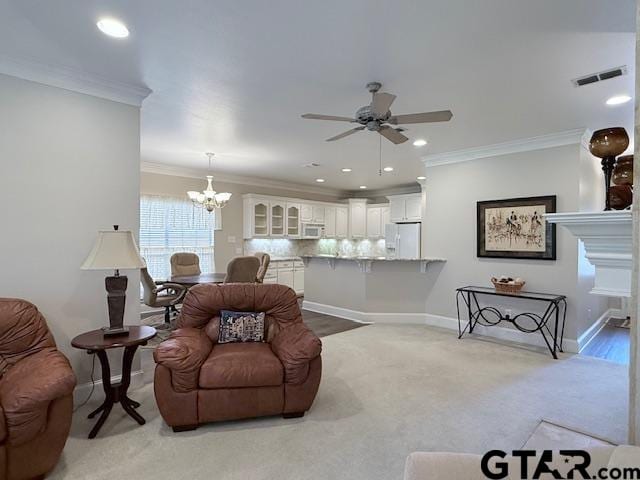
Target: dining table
191	280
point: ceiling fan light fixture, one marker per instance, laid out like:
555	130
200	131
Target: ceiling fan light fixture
113	28
421	142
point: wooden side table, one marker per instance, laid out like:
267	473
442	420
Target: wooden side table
95	342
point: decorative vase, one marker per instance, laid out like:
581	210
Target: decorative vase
620	196
607	144
623	171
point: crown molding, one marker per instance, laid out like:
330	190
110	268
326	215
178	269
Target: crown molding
74	80
569	137
164	169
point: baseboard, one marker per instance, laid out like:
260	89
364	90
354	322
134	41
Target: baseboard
594	329
440	321
353	315
81	392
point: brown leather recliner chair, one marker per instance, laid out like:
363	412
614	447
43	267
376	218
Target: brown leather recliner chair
198	380
36	393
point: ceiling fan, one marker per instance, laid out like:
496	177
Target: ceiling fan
376	117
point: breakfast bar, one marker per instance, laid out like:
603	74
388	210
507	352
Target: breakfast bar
363	288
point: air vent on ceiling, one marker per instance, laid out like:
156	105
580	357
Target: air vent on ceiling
600	76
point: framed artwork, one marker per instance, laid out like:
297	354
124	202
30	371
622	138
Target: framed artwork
515	228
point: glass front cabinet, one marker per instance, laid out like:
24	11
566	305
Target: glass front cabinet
277	220
260	219
293	220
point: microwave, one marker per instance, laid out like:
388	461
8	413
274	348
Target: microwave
312	230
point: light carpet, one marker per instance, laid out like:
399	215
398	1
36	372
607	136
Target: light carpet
386	391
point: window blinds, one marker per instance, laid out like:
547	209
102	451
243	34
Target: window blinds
169	225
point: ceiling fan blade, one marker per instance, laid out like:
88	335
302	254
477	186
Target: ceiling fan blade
381	103
392	134
427	117
317	116
345	134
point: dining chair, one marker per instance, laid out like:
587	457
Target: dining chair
153	296
185	263
242	270
265	259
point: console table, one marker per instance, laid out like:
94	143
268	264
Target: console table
550	324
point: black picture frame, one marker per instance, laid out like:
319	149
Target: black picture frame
549	203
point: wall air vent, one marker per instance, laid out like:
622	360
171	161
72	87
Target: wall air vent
600	76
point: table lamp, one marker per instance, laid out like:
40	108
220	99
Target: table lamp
114	250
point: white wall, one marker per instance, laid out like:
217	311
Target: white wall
70	167
449	229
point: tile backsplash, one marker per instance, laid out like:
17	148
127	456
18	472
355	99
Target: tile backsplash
293	248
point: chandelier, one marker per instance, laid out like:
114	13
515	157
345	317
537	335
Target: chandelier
209	198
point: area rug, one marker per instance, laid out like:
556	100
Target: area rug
386	391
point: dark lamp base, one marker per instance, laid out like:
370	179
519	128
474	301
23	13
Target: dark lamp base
114	332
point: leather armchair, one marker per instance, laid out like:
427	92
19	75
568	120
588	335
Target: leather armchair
36	393
198	380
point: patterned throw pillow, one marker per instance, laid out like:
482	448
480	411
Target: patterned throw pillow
241	327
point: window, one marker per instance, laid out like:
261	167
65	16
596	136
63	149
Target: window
169	225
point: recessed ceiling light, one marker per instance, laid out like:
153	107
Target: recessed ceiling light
618	100
346	170
113	28
362	187
420	143
320	180
388	169
421	178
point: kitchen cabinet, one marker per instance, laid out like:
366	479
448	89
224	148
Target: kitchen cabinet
330	222
357	218
405	208
277	219
286	272
256	218
293	220
318	213
386	216
413	208
298	277
374	222
342	222
306	213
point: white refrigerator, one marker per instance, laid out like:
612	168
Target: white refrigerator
402	240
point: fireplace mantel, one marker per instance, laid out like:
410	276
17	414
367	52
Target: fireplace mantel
607	238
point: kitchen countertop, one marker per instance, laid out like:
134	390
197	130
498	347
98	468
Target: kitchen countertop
375	259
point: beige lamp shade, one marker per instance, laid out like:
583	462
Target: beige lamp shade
114	250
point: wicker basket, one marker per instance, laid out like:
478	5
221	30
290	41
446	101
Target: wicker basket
507	287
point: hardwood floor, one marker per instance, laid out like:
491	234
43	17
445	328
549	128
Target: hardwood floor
611	343
324	325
